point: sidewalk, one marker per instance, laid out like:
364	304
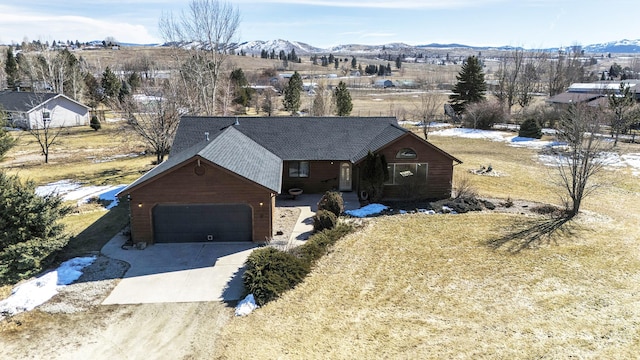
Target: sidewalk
308	205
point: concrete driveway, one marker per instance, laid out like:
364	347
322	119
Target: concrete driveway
186	272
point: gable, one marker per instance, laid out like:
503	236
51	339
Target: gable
230	150
425	151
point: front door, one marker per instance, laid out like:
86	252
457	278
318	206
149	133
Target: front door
345	176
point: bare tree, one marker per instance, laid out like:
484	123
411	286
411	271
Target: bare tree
509	73
207	29
155	119
427	108
42	128
581	161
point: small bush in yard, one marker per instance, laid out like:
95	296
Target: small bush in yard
530	129
324	219
95	123
332	201
318	244
270	272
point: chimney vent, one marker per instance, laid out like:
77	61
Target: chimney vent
206	135
237	122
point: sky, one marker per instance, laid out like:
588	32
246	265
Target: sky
326	23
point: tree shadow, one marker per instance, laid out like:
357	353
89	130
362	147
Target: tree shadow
534	233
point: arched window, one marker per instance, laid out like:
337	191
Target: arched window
406	153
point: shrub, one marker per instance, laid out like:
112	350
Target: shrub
483	115
530	129
332	201
30	231
324	219
270	272
318	244
95	123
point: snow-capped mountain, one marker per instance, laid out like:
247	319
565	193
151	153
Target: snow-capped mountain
301	48
622	46
257	46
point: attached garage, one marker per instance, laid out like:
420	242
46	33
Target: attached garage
202	223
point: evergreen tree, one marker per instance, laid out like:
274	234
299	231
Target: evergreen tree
292	92
242	91
342	98
110	83
354	62
6	140
30	229
398	62
335	63
11	69
470	87
95	123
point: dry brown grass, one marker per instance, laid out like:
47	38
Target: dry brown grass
422	286
81	154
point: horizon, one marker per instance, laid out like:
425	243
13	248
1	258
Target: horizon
327	23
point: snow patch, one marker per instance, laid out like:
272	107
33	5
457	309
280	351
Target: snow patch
246	306
74	191
35	292
371	209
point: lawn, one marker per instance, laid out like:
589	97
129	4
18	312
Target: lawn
419	286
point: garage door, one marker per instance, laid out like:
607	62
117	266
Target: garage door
202	222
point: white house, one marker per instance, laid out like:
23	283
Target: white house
30	110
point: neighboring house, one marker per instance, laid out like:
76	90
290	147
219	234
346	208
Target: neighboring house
30	110
383	84
593	94
223	173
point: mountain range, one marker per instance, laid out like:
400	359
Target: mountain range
257	46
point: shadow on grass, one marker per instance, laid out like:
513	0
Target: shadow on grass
96	235
534	233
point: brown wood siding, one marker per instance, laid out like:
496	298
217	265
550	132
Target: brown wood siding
183	186
323	176
440	169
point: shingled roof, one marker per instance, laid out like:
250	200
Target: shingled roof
231	150
23	101
298	138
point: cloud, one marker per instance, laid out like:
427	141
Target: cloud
15	25
384	4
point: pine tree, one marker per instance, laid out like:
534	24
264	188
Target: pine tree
342	98
292	92
110	83
470	87
6	140
31	232
354	62
11	68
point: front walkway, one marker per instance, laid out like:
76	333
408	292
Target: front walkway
308	205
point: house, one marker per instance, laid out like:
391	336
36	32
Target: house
31	110
593	94
383	83
224	173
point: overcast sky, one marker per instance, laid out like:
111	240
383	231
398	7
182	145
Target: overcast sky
323	23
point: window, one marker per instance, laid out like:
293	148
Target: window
406	153
46	115
400	174
299	169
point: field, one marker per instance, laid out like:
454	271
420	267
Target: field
405	286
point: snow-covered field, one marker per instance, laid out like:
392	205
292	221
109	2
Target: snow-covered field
74	191
37	291
631	160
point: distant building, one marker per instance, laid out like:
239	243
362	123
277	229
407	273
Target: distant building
31	110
